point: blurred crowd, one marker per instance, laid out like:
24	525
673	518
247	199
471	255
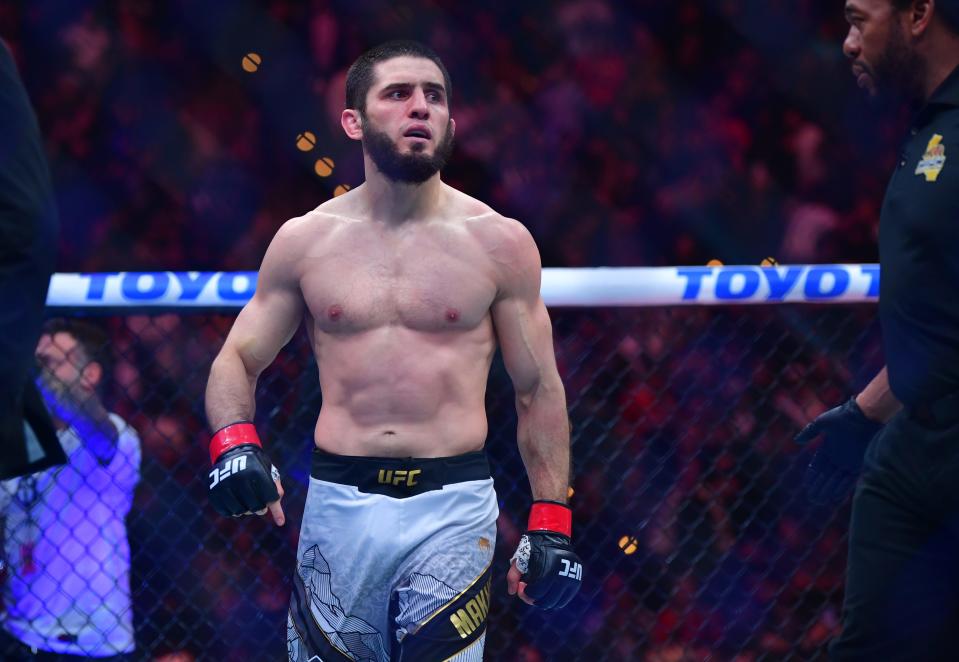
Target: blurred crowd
641	133
653	134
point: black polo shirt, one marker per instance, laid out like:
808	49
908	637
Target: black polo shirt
919	254
28	248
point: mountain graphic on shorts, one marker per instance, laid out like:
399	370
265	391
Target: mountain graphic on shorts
348	633
411	603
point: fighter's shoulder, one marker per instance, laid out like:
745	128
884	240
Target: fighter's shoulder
497	233
301	232
340	206
504	239
290	245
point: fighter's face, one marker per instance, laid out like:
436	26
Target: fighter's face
407	129
878	44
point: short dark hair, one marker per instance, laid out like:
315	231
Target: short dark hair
947	10
359	78
89	336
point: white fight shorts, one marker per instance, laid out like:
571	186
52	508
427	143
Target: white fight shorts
393	562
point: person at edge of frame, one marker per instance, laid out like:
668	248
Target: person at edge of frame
902	431
406	287
28	250
67	596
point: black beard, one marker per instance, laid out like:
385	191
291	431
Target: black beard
898	69
407	168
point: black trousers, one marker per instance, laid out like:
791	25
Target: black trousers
902	585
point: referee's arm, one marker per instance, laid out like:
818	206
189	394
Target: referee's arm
877	400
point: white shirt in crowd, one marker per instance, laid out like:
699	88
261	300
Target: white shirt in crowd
66	550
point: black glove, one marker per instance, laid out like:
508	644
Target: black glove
551	569
242	480
838	461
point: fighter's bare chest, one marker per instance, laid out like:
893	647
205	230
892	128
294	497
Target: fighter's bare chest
430	286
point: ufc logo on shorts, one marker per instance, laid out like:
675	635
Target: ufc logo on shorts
571	570
234	466
398	477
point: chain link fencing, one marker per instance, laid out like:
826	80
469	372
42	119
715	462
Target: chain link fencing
697	540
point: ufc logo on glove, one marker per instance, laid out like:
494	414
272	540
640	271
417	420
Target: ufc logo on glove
545	553
572	570
258	482
234	466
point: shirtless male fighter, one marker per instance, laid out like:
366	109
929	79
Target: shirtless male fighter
405	285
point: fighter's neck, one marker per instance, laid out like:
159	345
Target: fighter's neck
395	202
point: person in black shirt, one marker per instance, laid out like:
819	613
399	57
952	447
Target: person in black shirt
902	431
28	248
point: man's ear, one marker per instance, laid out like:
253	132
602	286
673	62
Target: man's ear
920	16
452	127
352	123
91	375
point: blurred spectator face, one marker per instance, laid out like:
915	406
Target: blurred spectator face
878	45
529	653
407	129
88	43
166	440
179	656
64	362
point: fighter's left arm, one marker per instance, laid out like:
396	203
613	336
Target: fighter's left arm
525	336
545	570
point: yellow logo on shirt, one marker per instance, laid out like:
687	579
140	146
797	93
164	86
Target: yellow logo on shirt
933	160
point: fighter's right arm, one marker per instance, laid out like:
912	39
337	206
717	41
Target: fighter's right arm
262	328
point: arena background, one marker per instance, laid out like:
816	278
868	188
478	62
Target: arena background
642	133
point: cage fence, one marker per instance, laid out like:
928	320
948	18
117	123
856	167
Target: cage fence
697	539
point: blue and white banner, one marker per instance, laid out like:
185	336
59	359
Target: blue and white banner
641	286
137	289
682	286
